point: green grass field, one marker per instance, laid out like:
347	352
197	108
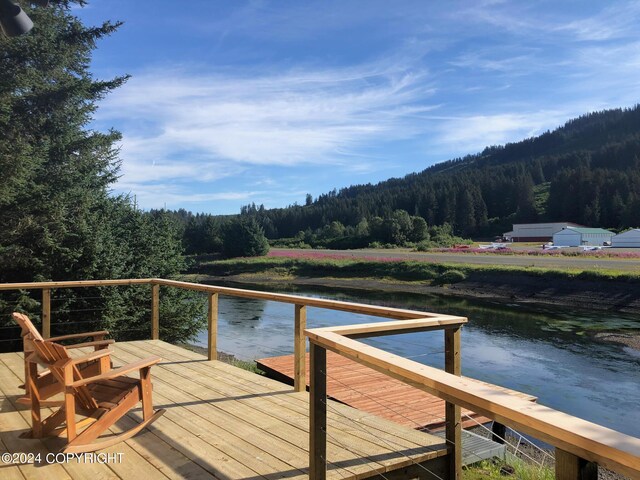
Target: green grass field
436	273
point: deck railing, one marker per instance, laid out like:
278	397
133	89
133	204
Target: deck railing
580	445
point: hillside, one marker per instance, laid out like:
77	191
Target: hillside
586	171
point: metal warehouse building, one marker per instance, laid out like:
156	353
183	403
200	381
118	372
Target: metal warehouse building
536	232
577	236
628	239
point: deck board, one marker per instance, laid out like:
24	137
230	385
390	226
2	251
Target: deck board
363	388
221	423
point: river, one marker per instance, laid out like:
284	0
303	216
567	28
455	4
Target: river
543	352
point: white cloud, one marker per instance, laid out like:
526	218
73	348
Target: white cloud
160	195
615	22
470	134
207	126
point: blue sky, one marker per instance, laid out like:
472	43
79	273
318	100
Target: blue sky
232	102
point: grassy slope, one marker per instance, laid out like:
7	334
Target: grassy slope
437	273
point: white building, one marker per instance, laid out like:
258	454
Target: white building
535	232
628	239
577	236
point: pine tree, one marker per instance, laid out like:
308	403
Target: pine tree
244	237
57	218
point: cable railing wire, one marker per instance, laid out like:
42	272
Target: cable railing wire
72	310
394	447
357	455
418	426
75	299
386	406
520	439
437	417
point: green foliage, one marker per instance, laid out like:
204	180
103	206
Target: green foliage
522	470
449	277
58	220
441	236
243	237
541	198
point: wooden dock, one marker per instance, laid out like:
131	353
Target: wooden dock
363	388
221	423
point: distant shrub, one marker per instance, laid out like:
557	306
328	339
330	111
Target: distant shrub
450	277
424	246
291	242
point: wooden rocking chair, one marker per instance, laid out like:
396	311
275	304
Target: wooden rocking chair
47	384
103	399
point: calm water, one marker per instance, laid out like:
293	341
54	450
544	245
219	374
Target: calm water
542	352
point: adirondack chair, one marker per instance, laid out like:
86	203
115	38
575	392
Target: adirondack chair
47	384
103	399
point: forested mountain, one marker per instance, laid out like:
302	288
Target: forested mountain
587	171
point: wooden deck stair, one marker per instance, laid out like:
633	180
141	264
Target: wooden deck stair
376	393
221	422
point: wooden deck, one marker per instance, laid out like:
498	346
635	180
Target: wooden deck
373	392
221	422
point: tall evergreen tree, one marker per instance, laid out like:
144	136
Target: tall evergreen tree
57	218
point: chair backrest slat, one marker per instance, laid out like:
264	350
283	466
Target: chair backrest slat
27	326
51	353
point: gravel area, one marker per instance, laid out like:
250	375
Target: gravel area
631	339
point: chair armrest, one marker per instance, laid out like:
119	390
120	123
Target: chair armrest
97	343
85	358
78	335
119	372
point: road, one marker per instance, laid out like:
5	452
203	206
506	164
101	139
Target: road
582	263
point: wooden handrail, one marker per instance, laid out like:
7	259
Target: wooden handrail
595	443
365	330
74	284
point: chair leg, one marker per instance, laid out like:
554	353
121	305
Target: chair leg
147	403
70	413
34	396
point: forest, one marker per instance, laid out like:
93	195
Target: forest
586	171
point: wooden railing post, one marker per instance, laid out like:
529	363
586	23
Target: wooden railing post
317	413
572	467
212	316
46	312
300	350
453	429
155	311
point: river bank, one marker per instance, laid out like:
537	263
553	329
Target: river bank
606	296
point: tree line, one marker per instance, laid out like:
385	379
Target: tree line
244	235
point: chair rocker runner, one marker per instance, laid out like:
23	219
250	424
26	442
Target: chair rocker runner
46	382
103	399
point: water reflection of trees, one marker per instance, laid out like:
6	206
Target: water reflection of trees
555	325
241	314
